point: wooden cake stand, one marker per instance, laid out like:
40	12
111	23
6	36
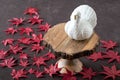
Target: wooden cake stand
67	49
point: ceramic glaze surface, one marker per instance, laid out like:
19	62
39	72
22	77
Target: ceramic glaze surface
82	23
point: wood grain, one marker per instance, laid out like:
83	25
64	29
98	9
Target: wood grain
60	42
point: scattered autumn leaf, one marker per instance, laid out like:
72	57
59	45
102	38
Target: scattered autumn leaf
3	54
38	74
37	38
8	41
50	55
88	73
39	61
26	30
31	11
8	63
15	49
111	55
108	44
68	76
35	20
23	56
96	56
24	63
25	40
37	47
11	30
51	70
44	27
31	71
16	21
17	74
111	72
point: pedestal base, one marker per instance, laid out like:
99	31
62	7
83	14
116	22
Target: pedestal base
74	65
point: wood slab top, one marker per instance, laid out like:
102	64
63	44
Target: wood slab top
60	42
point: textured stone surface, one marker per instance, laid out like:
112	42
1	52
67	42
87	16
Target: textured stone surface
57	11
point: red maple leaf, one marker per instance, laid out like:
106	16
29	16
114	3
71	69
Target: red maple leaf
25	40
108	44
51	70
44	27
26	30
31	71
31	11
3	54
23	56
15	49
50	55
17	74
68	76
111	55
96	56
35	20
8	41
37	47
16	21
11	30
8	63
38	74
24	63
111	72
39	61
37	38
88	73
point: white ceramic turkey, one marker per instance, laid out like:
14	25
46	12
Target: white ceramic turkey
82	23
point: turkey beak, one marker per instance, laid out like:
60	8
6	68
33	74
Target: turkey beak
76	17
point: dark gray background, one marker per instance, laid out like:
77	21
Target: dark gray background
57	11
